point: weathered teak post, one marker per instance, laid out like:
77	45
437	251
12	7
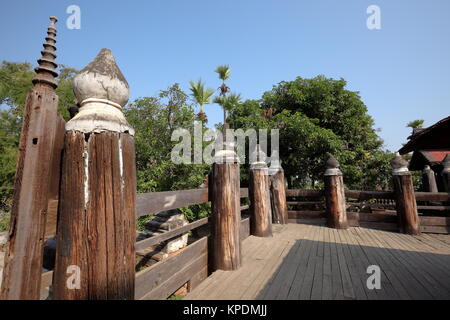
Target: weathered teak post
405	197
446	173
429	179
335	195
259	193
277	190
226	214
96	227
23	259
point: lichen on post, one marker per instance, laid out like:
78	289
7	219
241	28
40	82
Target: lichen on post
96	227
335	195
408	216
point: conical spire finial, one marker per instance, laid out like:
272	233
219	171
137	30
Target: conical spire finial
46	71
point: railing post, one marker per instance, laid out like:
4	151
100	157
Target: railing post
259	193
226	214
277	190
446	173
32	185
95	256
408	216
429	179
335	195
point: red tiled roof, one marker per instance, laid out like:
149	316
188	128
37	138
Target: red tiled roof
435	156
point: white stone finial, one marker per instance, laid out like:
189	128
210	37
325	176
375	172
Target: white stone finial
102	91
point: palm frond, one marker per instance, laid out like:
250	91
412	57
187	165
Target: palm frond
200	94
223	71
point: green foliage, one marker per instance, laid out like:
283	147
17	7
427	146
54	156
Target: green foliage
154	119
228	102
4	221
224	72
415	124
140	222
201	94
15	83
316	116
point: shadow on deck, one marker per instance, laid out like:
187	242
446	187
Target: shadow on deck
315	262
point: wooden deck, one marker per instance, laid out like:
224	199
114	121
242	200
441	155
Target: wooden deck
316	262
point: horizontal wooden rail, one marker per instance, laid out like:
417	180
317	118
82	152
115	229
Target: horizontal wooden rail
365	195
432	196
304	193
244	207
434	208
143	244
154	202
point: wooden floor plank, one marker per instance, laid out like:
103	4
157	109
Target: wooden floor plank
316	262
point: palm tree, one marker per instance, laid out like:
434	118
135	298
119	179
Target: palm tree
202	96
224	74
228	102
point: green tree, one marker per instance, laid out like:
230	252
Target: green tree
154	119
15	83
316	116
201	96
415	124
224	73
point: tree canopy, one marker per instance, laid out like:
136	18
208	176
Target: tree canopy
316	116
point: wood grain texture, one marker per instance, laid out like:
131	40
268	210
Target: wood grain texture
260	208
97	233
225	217
278	197
406	204
335	202
23	259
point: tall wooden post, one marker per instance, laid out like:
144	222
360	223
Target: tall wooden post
226	214
429	179
405	198
259	193
95	257
23	259
277	190
446	173
335	195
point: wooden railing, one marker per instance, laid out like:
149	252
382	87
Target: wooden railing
385	219
189	265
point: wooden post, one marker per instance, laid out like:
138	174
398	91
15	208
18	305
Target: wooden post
446	173
259	193
405	197
277	190
429	179
226	215
23	258
95	256
335	195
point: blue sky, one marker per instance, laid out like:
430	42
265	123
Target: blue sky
401	71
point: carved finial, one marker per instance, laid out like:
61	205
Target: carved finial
102	91
332	163
258	158
332	166
399	165
446	163
46	71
